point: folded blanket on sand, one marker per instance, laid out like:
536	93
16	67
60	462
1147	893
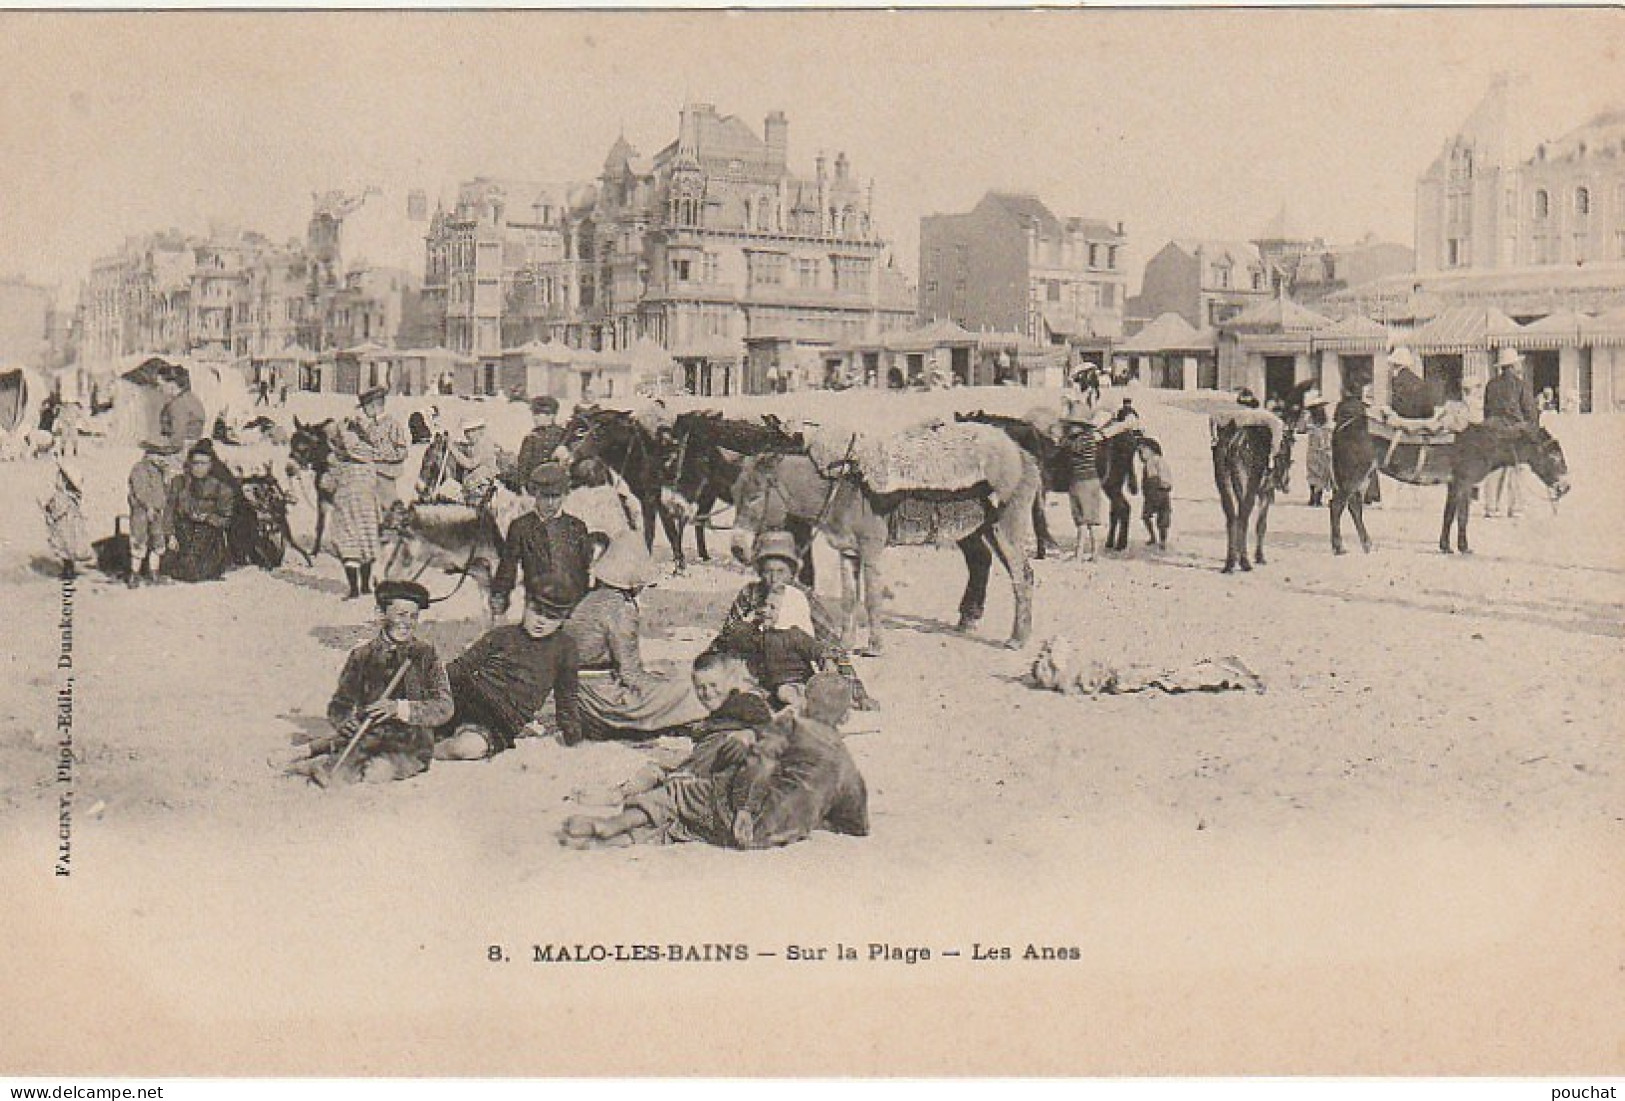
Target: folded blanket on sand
1060	668
935	455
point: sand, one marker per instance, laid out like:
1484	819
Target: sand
1404	857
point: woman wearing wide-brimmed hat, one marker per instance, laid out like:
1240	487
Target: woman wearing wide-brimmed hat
1317	460
368	453
621	697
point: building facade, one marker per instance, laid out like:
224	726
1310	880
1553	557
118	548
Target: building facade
1484	206
1205	282
744	270
1010	264
232	294
506	264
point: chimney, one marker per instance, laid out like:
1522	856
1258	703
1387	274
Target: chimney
776	131
821	162
841	165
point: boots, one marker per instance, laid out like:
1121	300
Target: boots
352	574
366	577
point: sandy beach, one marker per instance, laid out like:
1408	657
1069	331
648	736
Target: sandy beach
1404	857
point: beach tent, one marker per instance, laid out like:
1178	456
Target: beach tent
21	393
138	400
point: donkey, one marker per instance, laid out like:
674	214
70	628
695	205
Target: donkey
615	437
702	464
1248	477
987	520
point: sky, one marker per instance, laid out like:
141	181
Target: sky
1178	123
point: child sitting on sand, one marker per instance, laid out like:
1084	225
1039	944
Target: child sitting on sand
392	694
695	800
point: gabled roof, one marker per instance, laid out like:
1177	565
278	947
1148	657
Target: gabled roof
1024	208
1169	333
1278	315
1352	334
1463	328
939	333
1240	252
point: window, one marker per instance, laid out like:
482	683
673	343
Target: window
1052	290
1094	256
679	270
709	265
767	268
1582	201
807	273
1543	204
851	273
1111	257
1221	275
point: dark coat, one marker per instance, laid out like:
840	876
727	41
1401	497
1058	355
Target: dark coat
1508	400
505	677
556	554
368	670
200	511
537	448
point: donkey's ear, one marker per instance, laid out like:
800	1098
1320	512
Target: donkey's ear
298	424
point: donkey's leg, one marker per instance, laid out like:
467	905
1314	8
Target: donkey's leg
1040	523
1340	501
1463	511
649	508
1264	500
1357	514
1012	552
851	599
1450	497
978	564
803	533
702	508
673	525
874	597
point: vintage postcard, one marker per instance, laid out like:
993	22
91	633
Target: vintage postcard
813	543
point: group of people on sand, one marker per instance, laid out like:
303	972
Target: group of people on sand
763	703
182	498
1080	433
1507	402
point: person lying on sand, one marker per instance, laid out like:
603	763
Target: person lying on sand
796	777
691	801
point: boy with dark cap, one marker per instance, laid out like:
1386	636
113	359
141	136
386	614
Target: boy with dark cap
546	439
501	682
393	690
553	547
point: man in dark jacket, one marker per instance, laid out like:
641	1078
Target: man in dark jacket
545	439
553	547
1509	406
1507	400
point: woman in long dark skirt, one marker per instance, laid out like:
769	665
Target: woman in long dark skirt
200	510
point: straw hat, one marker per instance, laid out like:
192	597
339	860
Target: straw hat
1508	357
1312	398
1402	357
777	544
625	563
